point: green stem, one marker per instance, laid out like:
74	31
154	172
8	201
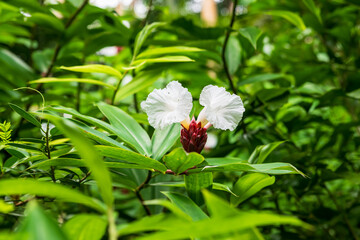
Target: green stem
223	52
112	225
118	87
139	196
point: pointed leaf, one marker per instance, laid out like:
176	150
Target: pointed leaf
163	140
127	128
252	34
94	68
249	185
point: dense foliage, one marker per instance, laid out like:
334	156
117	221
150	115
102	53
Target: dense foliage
79	159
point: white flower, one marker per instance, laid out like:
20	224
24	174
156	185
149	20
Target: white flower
169	105
174	103
221	109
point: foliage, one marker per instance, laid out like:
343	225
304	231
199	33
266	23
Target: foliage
87	165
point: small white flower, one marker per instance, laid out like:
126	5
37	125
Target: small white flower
169	105
221	109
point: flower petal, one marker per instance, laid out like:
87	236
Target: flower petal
222	109
169	105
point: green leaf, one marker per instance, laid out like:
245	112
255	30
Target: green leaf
128	156
249	185
195	183
215	186
16	66
141	62
261	78
37	225
179	161
94	68
100	137
127	128
85	227
39	188
143	35
168	50
149	223
269	168
313	9
94	121
25	115
289	16
5	207
186	205
139	83
261	152
163	140
233	54
252	34
73	162
92	158
48	21
80	80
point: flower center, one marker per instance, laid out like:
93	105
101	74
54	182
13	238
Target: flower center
193	138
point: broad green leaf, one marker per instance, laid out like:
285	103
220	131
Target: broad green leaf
354	94
39	188
25	115
169	205
179	161
100	137
261	152
233	54
165	59
73	162
195	183
252	34
218	226
92	158
186	205
38	225
143	35
16	65
48	21
261	78
215	186
129	156
289	16
85	227
94	121
313	9
149	223
132	157
140	82
79	80
127	128
168	50
249	185
269	168
5	207
218	207
163	140
94	68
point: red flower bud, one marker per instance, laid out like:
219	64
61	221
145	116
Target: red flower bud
194	138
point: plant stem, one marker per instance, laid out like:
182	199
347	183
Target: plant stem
112	225
139	196
117	87
223	52
48	153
